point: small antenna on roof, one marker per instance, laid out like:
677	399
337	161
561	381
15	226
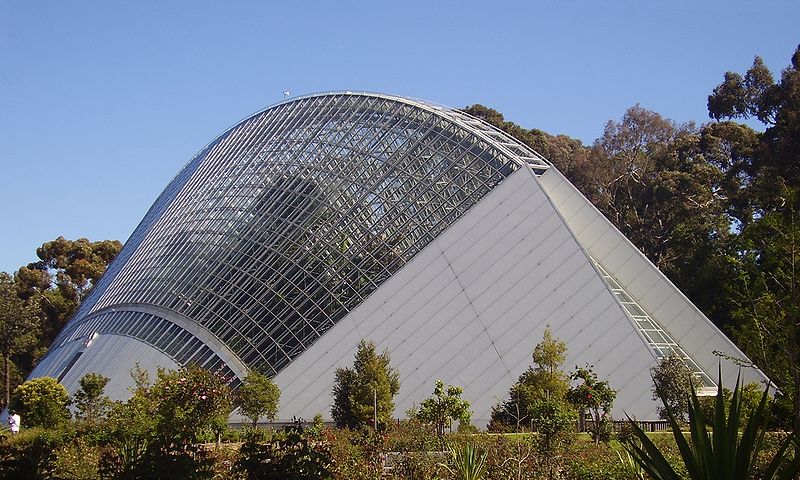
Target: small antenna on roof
286	93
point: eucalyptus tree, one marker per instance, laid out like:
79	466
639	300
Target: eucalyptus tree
19	328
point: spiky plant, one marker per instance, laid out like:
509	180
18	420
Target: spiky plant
468	464
722	454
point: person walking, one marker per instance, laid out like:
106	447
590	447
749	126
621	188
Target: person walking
14	422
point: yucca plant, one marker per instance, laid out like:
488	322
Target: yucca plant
468	464
630	466
722	454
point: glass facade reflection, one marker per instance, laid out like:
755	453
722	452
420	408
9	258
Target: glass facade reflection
286	222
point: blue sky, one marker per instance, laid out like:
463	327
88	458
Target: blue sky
101	103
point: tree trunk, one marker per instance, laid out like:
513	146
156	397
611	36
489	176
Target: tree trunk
7	382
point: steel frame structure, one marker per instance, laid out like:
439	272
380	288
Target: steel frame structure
290	220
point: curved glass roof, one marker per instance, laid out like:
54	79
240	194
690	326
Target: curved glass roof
288	220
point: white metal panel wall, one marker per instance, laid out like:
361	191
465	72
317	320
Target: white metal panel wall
472	305
108	355
641	279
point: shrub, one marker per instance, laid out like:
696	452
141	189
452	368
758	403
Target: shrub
594	462
154	433
41	402
90	402
77	460
467	462
410	435
286	455
32	453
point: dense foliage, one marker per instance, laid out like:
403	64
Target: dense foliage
37	302
155	433
291	454
19	329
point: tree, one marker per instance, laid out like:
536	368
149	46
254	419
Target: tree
366	390
766	298
92	405
649	177
341	410
776	105
443	407
19	327
568	154
542	388
656	182
763	289
595	396
673	382
41	402
258	397
65	273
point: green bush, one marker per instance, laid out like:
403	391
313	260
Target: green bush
352	457
594	462
286	455
78	459
32	453
410	435
155	433
92	406
258	397
41	402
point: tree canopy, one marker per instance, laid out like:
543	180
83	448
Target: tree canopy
42	296
91	404
19	329
258	397
444	406
63	276
673	382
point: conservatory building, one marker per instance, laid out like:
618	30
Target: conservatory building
336	217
